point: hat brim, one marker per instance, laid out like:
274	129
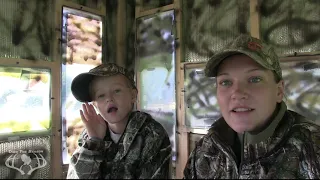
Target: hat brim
211	68
80	87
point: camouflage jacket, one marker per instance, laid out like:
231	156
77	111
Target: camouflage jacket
143	152
291	150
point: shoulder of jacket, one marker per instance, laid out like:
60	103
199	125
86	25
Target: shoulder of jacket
205	142
301	120
306	126
138	115
150	125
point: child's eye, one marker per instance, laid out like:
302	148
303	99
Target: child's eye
101	96
117	90
255	79
225	83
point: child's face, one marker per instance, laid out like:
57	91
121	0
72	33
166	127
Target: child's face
247	93
113	97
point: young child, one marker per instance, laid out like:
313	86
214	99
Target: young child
117	143
257	137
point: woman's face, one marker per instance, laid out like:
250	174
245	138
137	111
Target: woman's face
247	93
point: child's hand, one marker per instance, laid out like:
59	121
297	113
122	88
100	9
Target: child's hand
95	124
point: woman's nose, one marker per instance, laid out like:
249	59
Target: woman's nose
239	91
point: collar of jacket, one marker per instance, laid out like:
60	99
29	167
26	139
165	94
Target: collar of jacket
254	138
256	146
136	120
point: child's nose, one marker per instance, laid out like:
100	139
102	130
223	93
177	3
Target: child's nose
109	98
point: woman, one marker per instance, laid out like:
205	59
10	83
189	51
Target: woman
257	136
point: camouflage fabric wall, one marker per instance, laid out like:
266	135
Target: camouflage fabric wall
26	29
291	26
209	25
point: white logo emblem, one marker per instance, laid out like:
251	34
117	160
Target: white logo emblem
26	161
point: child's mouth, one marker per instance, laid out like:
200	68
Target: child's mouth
112	109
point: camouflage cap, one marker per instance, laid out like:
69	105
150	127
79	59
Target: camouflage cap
81	83
258	50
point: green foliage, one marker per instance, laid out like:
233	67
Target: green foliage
16	126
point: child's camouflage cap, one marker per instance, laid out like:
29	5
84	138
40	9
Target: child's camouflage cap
258	50
81	83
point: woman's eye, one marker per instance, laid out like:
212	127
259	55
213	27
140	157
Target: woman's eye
255	79
225	83
117	90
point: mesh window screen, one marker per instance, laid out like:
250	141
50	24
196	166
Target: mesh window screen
200	99
82	51
210	25
26	29
26	159
26	91
82	37
290	25
302	87
156	65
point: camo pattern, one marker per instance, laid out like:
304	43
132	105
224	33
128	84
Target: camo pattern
143	152
111	69
292	152
255	48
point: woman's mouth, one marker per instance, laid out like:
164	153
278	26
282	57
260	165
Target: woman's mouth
242	110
